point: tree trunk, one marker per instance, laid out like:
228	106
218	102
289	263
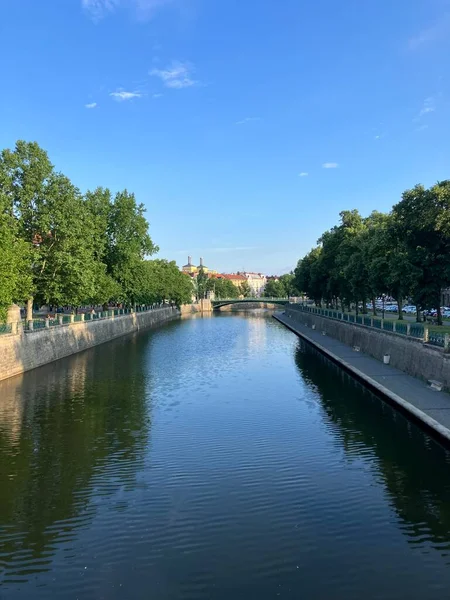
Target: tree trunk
357	307
30	309
374	307
439	314
417	314
400	308
364	308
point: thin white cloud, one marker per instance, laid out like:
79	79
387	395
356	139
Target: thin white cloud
422	128
303	174
434	33
177	75
248	120
122	95
330	165
97	9
428	106
144	9
157	96
91	105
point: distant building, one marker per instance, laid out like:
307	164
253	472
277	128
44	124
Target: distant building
257	283
189	268
193	271
236	279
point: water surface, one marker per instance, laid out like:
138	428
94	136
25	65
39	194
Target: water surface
215	458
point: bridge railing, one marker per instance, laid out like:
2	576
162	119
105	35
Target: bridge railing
264	299
413	330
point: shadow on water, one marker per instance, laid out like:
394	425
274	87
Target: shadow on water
413	468
61	427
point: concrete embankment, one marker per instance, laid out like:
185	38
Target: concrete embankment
406	353
20	353
429	408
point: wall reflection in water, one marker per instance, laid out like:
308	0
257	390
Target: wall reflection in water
398	450
60	426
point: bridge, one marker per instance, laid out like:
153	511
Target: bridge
225	302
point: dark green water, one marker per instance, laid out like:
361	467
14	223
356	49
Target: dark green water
215	458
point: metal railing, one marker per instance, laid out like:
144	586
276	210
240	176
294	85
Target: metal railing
64	320
413	330
5	328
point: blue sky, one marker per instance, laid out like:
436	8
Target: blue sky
244	126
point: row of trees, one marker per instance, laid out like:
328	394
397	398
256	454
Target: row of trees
404	254
221	287
283	287
61	247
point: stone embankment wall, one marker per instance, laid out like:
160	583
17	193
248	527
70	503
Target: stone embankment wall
202	306
407	354
19	353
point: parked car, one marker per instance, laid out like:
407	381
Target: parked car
409	309
391	308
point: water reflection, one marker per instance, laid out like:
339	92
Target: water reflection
60	426
215	458
413	468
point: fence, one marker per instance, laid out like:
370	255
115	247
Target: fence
63	319
414	330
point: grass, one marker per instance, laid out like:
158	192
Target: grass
406	319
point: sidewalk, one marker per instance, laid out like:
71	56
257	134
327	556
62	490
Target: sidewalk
412	396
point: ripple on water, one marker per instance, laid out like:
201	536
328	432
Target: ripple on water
215	458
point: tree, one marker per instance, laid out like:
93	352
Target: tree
245	289
274	289
202	284
128	243
423	221
222	288
67	249
25	173
15	279
64	265
288	281
161	281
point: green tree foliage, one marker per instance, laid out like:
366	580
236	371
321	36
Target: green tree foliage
275	289
202	284
222	288
288	281
423	222
128	243
362	258
162	281
62	248
311	276
245	290
15	279
25	175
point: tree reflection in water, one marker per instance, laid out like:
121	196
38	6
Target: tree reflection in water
413	467
62	427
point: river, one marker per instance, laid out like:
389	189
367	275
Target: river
215	458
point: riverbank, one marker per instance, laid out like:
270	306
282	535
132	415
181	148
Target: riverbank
429	408
32	349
